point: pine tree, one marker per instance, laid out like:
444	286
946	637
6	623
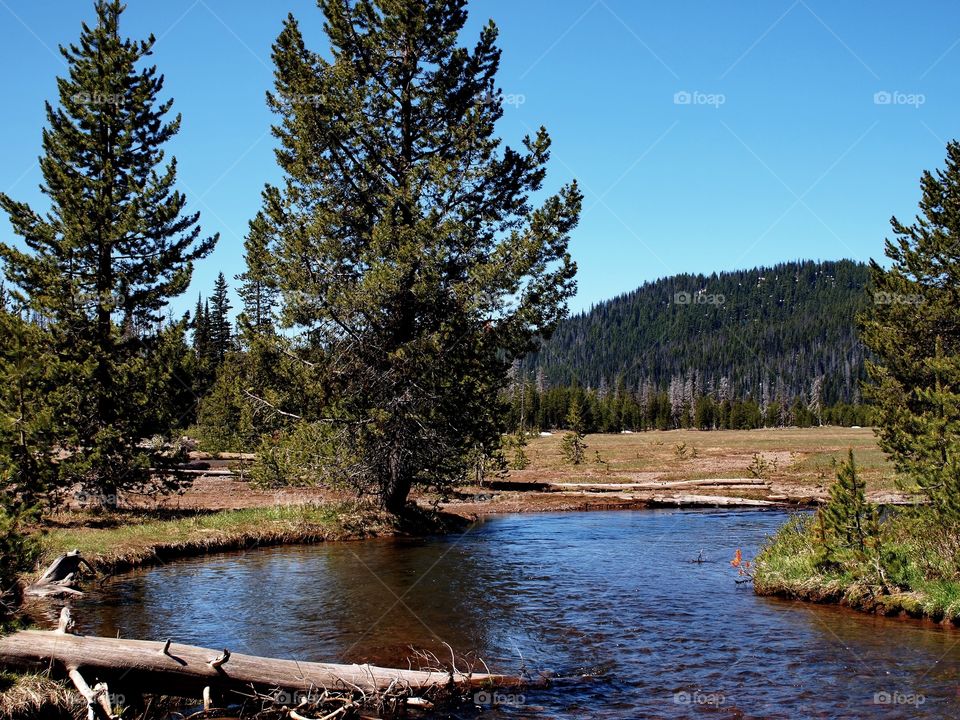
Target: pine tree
220	328
849	522
26	423
913	330
101	266
572	447
201	328
257	290
407	248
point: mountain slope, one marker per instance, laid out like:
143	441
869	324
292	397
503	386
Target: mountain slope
768	331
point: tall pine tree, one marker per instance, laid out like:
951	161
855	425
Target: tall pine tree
219	325
115	246
913	330
408	251
257	289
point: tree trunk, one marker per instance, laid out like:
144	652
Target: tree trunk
184	670
397	485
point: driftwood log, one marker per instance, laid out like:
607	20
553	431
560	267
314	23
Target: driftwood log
185	671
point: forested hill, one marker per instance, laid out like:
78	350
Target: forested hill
765	333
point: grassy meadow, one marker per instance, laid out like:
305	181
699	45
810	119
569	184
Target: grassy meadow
790	456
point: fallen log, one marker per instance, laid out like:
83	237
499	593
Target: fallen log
184	670
733	483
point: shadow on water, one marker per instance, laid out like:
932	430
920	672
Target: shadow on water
607	603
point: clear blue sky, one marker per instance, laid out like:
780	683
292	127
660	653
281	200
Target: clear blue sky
782	151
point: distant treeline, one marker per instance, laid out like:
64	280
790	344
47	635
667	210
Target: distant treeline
532	408
766	335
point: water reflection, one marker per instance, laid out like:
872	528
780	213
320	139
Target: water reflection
608	602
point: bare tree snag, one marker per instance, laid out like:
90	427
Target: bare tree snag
98	698
220	660
66	621
185	670
61	577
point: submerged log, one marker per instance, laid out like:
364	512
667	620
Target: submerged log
184	670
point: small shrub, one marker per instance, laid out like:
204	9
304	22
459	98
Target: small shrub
573	448
515	445
759	467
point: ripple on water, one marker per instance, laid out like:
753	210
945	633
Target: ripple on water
608	602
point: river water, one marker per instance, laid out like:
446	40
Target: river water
607	602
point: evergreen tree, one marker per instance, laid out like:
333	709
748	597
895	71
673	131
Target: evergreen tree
849	526
847	514
26	423
257	290
913	330
172	381
771	331
201	328
572	446
219	326
114	248
407	248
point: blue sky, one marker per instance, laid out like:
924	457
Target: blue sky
706	136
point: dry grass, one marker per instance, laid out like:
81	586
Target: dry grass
793	456
37	697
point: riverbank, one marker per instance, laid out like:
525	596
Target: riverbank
223	511
121	540
30	697
534	591
905	577
677	468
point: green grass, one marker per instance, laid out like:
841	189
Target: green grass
921	572
128	539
